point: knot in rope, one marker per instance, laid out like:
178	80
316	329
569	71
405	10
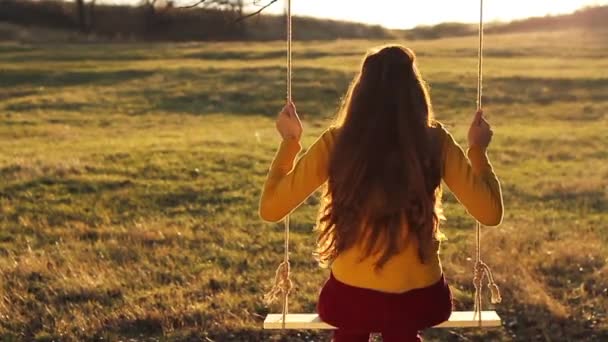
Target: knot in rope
483	270
282	284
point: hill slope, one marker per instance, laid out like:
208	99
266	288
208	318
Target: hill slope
591	18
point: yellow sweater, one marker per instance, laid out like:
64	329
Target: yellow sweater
472	180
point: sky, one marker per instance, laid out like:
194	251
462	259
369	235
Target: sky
410	13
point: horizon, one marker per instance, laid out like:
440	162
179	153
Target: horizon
396	15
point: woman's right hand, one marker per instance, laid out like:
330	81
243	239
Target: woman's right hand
288	123
480	133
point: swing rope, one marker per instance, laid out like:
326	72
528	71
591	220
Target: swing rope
282	282
481	268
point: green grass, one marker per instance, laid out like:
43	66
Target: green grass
130	177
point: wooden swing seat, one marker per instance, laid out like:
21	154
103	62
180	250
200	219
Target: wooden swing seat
459	319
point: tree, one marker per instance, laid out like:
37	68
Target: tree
237	6
92	14
80	12
151	9
149	13
85	17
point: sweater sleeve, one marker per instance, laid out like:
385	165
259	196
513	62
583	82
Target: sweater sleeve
472	180
288	185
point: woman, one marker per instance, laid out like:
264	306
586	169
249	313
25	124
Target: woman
383	162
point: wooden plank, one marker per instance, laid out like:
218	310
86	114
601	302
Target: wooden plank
459	319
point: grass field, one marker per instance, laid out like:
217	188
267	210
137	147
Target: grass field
130	177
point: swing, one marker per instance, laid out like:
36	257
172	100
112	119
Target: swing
458	319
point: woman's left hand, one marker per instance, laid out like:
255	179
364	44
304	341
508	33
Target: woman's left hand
288	123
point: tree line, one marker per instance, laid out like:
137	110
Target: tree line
177	20
219	20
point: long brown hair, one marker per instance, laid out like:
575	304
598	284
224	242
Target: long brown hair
384	171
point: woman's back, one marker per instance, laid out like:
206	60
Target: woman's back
473	182
471	179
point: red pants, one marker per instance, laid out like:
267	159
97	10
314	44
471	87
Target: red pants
358	312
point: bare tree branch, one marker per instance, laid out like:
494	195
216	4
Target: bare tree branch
228	2
256	12
196	4
207	2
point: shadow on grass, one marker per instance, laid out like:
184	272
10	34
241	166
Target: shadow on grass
545	90
106	297
271	54
116	55
62	78
247	91
59	201
73	186
522	90
49	106
525	322
569	200
261	335
318	91
195	202
153	326
75	56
